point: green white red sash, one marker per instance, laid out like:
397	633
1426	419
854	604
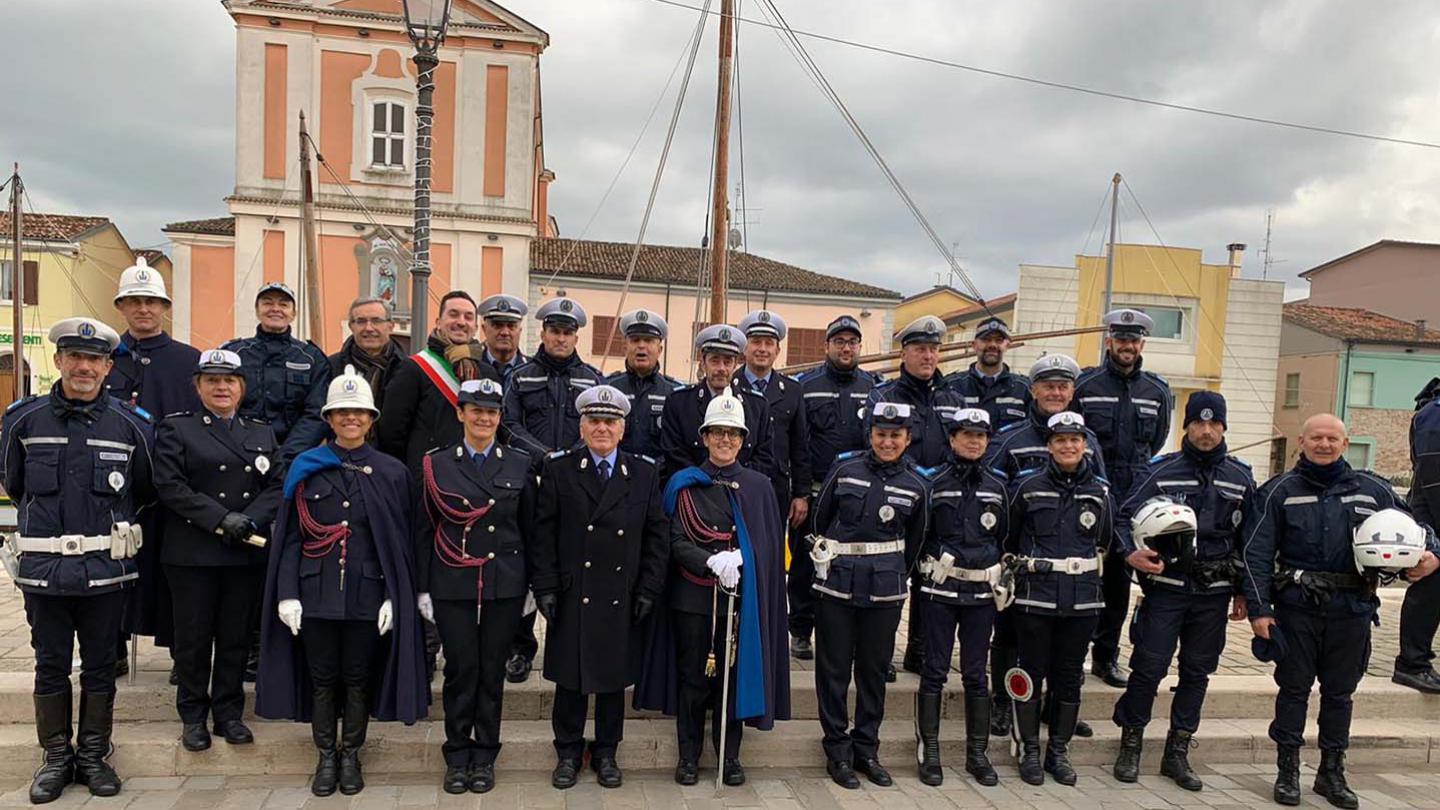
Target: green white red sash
438	370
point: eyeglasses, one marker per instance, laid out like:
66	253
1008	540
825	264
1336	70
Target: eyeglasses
368	321
845	343
726	433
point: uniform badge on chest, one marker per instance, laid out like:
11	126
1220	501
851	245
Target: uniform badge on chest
116	480
262	464
1087	520
887	512
988	520
1236	517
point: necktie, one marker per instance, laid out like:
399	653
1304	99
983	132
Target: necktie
759	384
480	459
604	468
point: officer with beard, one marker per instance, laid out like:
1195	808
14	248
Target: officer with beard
989	383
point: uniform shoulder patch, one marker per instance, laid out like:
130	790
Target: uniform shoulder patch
17	403
849	454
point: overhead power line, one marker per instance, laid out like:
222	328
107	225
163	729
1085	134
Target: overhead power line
1076	88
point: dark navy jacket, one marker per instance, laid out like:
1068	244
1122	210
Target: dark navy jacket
1130	413
1425	456
932	404
1020	446
789	435
835	414
1006	397
970	518
285	385
156	373
647	401
866	501
1058	515
1216	488
1295	521
76	467
540	413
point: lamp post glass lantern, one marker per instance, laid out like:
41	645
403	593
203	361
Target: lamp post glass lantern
425	22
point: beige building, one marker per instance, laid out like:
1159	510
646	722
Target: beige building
1391	277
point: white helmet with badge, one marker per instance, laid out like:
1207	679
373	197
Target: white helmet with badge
1389	541
349	390
725	410
1167	528
141	281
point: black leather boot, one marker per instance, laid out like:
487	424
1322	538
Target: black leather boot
1330	781
1027	724
1287	776
1176	763
322	730
1057	752
1047	716
1001	660
52	726
92	744
927	739
1127	764
355	724
977	740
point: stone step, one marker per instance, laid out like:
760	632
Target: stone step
153	749
152	699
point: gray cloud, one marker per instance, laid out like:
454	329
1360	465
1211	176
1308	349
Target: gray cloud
126	109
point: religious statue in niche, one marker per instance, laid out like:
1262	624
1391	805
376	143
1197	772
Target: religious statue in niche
382	272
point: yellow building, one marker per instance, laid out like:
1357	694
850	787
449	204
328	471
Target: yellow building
72	266
1214	329
940	300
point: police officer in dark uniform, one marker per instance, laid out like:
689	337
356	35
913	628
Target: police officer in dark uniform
599	553
500	319
922	387
1420	612
870	523
215	475
541	417
970	519
680	440
285	378
1061	526
989	383
471	532
642	382
1129	410
1187	597
1301	583
77	464
790	437
834	394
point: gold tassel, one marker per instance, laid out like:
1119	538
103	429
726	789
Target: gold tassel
710	665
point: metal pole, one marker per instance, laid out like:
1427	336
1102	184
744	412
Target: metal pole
316	309
723	714
425	62
17	286
1110	253
720	216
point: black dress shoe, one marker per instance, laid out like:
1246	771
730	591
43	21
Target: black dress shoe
122	666
195	737
481	777
1083	729
890	673
734	773
517	669
565	773
174	676
1427	681
607	772
874	771
234	732
456	780
801	649
1109	673
686	772
842	774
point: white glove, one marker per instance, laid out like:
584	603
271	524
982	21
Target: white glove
289	610
726	565
426	606
387	617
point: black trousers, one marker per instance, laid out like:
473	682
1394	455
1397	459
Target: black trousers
914	629
55	624
1052	652
861	639
798	580
339	651
524	643
1334	649
1002	649
1163	619
1115	589
1419	619
698	694
215	607
567	719
475	675
944	623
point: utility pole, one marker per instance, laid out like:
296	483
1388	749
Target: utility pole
1110	253
720	216
17	286
316	310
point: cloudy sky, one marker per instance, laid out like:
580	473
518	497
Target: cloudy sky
126	110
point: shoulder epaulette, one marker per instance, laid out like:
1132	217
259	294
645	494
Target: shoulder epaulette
685	386
1159	457
1029	472
1242	462
928	473
808	374
998	473
557	454
136	409
645	458
1158	378
1012	426
17	403
849	454
178	414
519	451
1102	479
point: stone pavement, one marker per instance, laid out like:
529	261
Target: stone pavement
1227	786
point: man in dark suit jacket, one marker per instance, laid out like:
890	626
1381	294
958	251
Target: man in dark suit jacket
597	574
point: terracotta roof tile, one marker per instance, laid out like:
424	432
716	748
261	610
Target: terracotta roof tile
1346	323
665	264
52	227
216	226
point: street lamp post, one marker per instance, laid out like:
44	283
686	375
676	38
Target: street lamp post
425	22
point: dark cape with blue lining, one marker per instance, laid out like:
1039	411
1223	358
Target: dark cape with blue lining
761	677
400	690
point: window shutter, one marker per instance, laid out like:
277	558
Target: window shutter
32	283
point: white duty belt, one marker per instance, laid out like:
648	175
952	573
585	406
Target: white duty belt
945	569
123	542
1065	565
823	550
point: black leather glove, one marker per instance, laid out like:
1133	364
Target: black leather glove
643	607
235	527
547	604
